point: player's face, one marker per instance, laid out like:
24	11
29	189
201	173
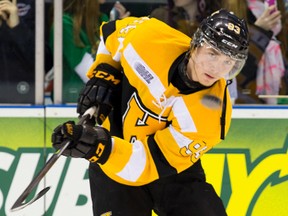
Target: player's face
207	65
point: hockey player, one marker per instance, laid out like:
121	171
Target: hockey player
146	156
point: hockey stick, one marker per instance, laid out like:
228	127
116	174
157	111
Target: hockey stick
20	204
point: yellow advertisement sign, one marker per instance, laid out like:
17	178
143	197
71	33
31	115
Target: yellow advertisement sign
249	169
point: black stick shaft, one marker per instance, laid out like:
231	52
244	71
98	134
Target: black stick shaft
33	184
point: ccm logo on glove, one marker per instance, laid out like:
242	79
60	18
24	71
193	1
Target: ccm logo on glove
69	129
107	76
99	151
91	143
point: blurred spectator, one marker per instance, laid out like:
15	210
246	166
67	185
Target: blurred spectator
17	51
185	15
264	72
286	21
118	11
81	22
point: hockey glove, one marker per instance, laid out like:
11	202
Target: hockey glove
100	92
91	143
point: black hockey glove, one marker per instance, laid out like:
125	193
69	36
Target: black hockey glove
100	92
91	143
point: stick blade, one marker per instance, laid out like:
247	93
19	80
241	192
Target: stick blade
20	205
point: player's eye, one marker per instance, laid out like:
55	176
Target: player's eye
228	62
212	54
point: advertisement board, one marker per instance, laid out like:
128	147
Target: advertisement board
249	169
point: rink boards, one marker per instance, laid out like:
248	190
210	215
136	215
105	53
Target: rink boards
249	169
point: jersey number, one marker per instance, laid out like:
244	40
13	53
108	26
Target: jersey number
195	149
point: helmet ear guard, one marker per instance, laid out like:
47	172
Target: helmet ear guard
197	38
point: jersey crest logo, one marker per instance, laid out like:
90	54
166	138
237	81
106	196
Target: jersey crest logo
142	117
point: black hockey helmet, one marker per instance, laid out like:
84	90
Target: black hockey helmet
225	32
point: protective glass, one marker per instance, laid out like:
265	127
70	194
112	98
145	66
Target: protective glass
211	59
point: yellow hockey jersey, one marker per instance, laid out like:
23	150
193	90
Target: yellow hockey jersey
164	131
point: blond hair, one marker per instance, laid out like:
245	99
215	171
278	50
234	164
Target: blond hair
85	14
